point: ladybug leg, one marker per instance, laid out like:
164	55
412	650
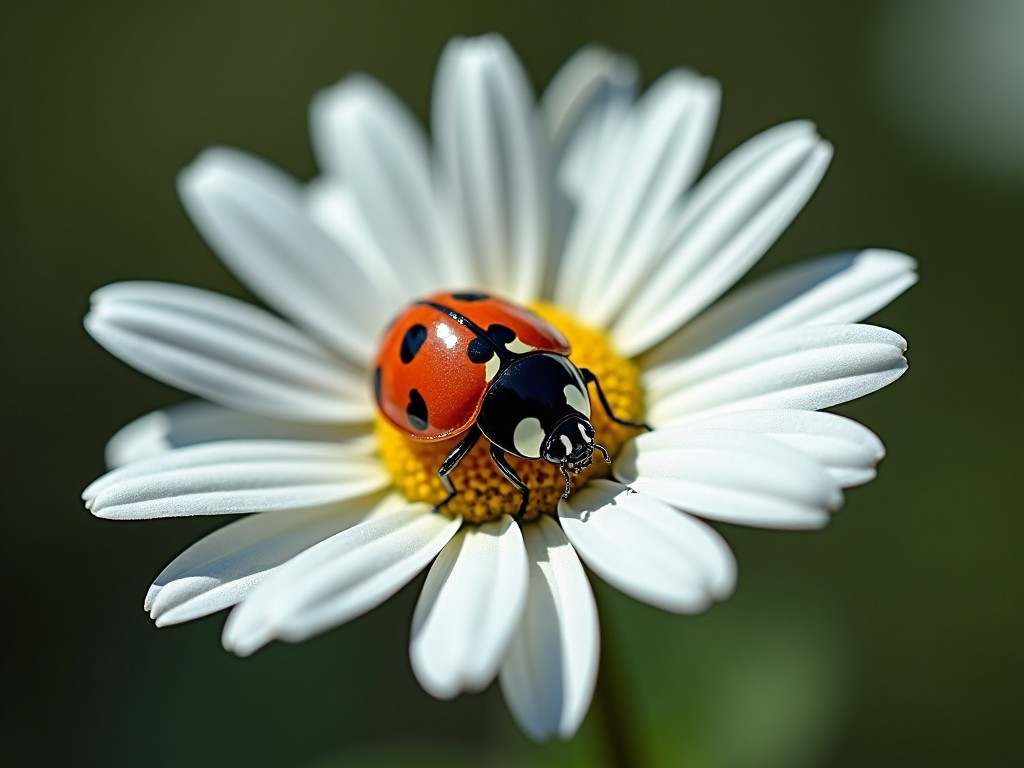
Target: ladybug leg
590	378
452	461
498	456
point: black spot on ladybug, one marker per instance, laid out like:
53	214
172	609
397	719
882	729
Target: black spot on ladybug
377	383
479	351
412	341
470	296
501	334
416	411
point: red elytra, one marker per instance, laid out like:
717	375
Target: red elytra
431	372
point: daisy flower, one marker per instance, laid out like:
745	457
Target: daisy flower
584	207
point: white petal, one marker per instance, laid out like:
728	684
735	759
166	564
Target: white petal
367	139
734	477
226	351
493	171
221	569
470	606
646	548
806	368
842	288
848	450
730	220
235	476
583	109
650	163
332	207
226	451
585	105
254	217
197	421
549	673
339	578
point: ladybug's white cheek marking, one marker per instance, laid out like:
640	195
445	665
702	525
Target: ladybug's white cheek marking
567	443
583	432
528	437
491	368
577	400
516	346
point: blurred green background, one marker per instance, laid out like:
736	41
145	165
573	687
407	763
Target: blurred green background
892	638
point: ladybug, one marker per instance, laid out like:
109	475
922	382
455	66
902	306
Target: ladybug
475	365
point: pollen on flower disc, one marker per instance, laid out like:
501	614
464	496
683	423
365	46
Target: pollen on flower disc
484	493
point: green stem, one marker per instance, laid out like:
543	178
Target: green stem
609	697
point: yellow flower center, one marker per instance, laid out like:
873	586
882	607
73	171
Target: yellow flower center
483	492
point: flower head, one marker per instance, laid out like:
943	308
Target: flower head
585	209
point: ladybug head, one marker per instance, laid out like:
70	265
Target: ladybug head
570	444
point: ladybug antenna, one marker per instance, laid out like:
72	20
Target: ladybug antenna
565	474
602	449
